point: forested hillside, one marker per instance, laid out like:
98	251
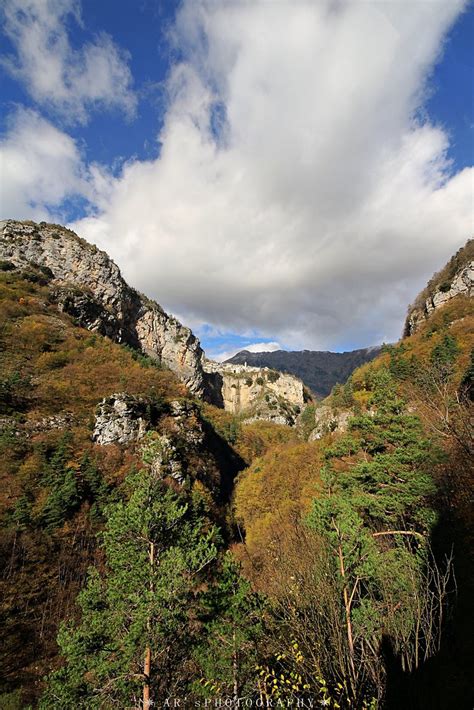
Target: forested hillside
157	547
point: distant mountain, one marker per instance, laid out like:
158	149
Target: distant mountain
319	370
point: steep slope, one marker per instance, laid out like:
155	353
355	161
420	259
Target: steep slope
79	413
89	286
319	370
456	278
256	393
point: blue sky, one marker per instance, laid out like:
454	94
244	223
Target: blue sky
333	186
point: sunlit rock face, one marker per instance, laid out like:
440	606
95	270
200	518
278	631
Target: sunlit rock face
257	393
120	419
125	419
90	287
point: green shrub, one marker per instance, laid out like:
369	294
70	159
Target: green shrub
444	287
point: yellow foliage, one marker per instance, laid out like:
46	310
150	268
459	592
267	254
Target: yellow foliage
256	438
273	494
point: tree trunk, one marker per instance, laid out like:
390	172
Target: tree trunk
235	669
147	663
347	607
146	673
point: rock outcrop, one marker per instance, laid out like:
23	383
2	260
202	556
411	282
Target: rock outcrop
327	419
259	393
319	370
121	419
89	286
175	430
456	279
164	459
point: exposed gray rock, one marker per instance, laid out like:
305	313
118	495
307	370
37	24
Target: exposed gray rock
462	283
327	419
319	370
87	311
258	392
87	284
31	427
187	422
107	304
64	420
120	419
268	416
125	419
164	459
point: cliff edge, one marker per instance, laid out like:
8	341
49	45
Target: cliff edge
88	285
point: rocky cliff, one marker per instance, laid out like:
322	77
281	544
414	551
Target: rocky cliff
258	392
89	286
455	279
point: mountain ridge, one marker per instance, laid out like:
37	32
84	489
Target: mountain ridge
454	279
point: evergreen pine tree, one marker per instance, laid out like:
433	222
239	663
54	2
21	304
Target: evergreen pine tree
233	625
129	647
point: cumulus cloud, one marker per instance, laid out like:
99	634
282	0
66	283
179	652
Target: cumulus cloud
71	81
297	194
40	168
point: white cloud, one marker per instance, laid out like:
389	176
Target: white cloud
71	81
262	347
296	195
40	167
222	355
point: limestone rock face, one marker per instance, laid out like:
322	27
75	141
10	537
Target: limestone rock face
260	393
461	284
174	432
87	311
186	422
165	460
120	419
326	419
90	287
